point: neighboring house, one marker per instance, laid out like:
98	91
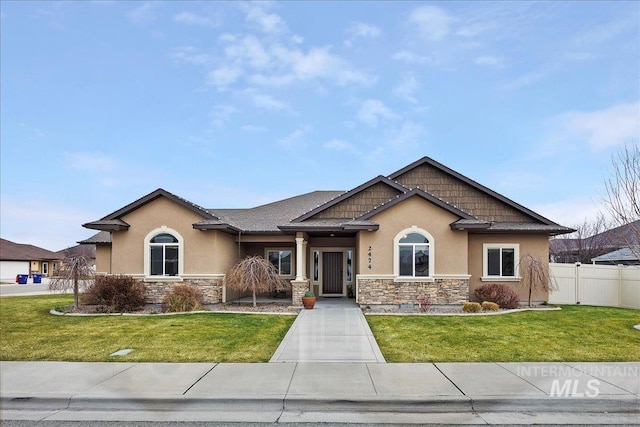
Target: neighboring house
423	231
17	258
87	250
623	256
609	247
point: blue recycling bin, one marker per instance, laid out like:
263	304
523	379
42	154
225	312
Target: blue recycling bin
22	279
37	278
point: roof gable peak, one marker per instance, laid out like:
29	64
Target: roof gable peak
377	180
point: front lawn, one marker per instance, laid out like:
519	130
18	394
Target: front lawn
29	332
575	333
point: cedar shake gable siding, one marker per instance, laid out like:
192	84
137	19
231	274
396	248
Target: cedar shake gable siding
464	193
357	202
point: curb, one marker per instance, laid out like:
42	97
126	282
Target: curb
617	404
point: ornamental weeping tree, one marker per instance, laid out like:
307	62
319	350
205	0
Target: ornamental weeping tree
70	272
535	274
256	274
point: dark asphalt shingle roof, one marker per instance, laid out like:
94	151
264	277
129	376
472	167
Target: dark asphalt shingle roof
267	218
11	251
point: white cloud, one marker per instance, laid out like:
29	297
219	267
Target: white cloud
492	61
407	88
143	14
524	80
570	212
90	161
361	30
249	49
222	114
265	21
407	135
339	145
253	128
372	111
188	18
295	139
267	102
189	55
223	77
601	129
22	219
431	22
411	58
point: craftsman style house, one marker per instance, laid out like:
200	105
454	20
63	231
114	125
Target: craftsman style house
424	231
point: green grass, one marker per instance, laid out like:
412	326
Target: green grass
575	333
29	332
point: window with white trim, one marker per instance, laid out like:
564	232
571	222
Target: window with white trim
164	250
500	260
413	255
282	259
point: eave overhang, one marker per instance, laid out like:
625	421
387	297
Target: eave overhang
107	225
216	225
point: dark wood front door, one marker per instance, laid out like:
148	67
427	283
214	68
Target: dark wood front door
332	273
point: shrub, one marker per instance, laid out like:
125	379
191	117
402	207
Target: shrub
308	294
471	307
489	306
182	298
502	295
116	294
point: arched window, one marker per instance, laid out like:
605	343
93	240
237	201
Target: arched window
164	250
414	257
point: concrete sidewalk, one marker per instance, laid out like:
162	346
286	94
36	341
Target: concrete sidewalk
331	392
334	331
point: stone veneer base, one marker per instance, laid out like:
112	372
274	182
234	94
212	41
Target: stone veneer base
210	288
395	293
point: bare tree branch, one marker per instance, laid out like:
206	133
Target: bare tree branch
70	272
622	194
255	274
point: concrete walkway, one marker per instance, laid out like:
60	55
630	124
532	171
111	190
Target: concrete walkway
334	331
460	393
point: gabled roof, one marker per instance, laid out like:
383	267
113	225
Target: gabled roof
114	222
428	161
11	251
328	211
344	196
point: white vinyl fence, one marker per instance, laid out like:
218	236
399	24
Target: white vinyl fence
613	286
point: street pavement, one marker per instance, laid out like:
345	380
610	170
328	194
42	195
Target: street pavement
317	380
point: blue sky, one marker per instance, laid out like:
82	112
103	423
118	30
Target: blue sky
238	104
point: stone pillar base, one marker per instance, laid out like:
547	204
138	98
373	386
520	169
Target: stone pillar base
298	289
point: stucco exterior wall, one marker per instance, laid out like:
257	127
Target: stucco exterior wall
534	244
204	252
103	259
449	247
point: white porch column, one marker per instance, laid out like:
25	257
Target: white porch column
301	255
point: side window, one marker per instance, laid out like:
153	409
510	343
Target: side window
282	259
164	255
500	260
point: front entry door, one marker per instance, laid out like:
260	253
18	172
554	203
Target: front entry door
332	273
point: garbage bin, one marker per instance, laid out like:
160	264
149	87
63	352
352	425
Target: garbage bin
22	279
37	278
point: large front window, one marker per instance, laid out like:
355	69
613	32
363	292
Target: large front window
413	255
282	260
164	250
